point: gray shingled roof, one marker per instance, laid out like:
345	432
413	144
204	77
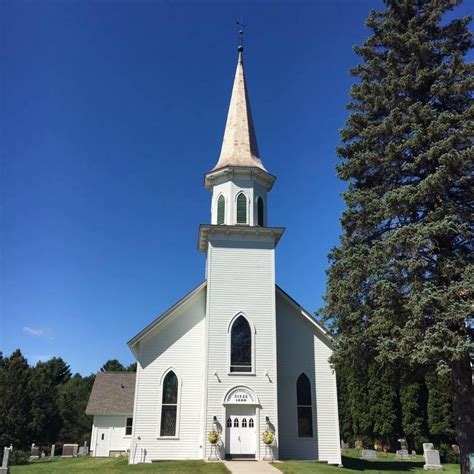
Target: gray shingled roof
112	394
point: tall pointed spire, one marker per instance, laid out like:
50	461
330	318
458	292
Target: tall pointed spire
239	146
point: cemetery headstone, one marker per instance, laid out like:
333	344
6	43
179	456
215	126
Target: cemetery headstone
70	450
53	447
432	461
402	454
471	463
358	444
6	454
369	454
35	453
427	446
413	454
344	445
403	443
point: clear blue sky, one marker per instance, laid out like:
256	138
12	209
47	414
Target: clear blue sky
112	113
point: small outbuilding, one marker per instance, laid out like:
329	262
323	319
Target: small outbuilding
111	405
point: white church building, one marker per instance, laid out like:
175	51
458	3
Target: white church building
236	355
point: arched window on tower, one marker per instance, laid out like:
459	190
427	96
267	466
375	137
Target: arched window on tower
221	210
241	209
305	409
260	218
240	346
169	405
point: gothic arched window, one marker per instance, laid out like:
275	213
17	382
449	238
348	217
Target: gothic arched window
260	218
241	346
169	405
241	209
305	409
221	210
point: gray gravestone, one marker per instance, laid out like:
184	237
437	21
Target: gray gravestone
4	468
402	454
34	452
369	454
51	455
432	460
471	462
413	454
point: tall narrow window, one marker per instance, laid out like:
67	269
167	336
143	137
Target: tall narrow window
169	405
260	211
221	210
305	409
241	346
241	209
128	427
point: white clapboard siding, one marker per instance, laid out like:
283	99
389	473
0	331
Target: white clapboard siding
326	394
301	347
241	278
115	424
178	344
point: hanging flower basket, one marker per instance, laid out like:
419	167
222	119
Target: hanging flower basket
268	437
213	437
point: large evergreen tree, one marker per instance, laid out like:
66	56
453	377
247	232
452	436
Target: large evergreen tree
401	282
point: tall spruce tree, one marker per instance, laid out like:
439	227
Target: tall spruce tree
401	282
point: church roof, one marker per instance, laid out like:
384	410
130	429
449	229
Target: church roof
239	146
112	394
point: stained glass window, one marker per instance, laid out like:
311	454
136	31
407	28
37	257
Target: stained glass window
221	210
169	405
241	209
305	409
241	346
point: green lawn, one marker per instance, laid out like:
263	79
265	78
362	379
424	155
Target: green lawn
113	465
384	464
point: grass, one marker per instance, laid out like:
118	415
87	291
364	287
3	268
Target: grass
88	465
384	464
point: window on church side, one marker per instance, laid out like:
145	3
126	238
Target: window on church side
305	409
236	422
241	209
244	423
221	210
229	423
260	211
241	346
169	405
251	423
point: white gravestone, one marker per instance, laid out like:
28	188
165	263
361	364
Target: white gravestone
402	454
432	461
369	454
427	446
6	454
53	447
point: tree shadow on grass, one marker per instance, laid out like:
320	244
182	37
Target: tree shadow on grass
365	465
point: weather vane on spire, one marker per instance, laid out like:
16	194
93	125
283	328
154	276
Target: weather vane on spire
241	34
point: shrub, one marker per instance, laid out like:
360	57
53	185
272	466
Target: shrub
447	455
17	458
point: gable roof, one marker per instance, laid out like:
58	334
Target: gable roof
306	314
162	317
112	394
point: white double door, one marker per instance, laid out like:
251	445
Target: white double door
241	425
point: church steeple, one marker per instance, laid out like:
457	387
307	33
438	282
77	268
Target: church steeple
239	146
239	182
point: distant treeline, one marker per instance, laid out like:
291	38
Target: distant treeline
45	404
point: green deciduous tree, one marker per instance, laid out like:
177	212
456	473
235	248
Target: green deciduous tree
401	282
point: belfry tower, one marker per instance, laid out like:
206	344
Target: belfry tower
240	272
